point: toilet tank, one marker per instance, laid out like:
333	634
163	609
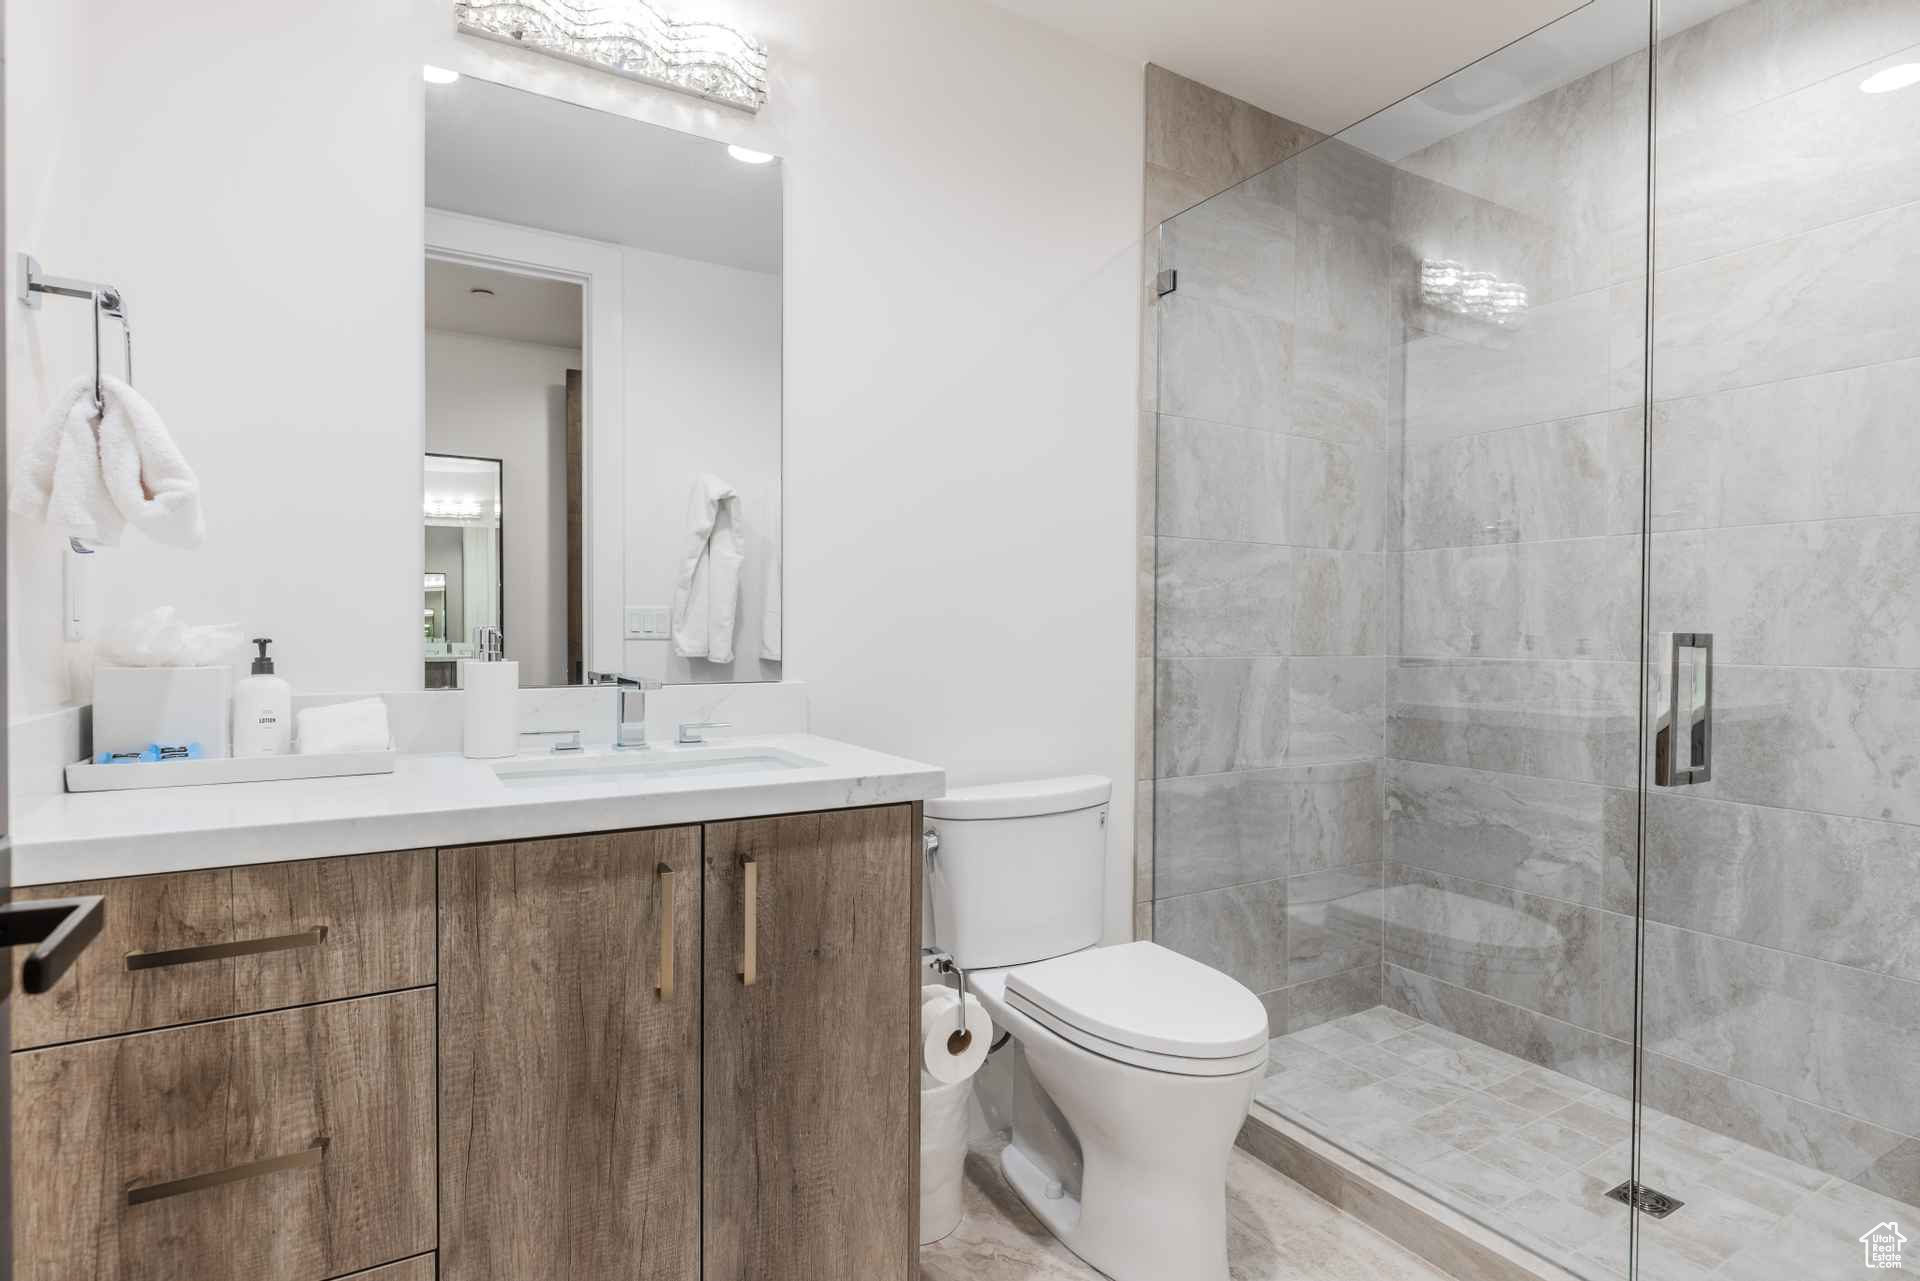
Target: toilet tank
1020	871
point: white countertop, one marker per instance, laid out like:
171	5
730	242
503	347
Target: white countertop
432	800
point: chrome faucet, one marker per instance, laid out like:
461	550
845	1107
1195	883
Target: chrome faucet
629	708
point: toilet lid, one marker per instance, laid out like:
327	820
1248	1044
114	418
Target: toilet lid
1145	997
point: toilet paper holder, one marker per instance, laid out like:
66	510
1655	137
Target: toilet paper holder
960	1040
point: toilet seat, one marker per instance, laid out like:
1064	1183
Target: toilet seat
1144	1005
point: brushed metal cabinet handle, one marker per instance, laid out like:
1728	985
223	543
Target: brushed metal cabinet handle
232	1174
750	952
139	960
665	986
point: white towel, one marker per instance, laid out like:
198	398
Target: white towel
771	622
94	474
146	475
358	726
59	477
706	594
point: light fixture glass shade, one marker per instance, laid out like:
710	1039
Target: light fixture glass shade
630	38
1893	79
1477	295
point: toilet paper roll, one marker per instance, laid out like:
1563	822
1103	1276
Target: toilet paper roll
936	1002
939	1024
934	998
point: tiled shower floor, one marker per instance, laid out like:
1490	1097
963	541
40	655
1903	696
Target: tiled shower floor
1531	1153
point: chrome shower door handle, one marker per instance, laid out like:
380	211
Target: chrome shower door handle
1683	746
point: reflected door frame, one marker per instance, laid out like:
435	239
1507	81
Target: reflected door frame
597	268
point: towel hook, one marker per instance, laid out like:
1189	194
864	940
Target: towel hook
105	300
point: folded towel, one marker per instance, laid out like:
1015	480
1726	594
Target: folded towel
706	595
359	726
92	473
59	478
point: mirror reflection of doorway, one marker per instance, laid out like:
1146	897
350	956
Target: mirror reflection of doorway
504	361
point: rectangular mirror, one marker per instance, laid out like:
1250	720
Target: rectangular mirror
603	347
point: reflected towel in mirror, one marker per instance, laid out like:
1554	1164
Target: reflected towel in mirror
706	593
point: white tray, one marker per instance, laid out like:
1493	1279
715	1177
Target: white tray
85	776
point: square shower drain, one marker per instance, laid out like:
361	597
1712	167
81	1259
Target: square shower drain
1656	1205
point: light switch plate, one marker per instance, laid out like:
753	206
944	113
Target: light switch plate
647	622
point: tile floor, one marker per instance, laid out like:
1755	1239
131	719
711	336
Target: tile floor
1531	1153
1277	1231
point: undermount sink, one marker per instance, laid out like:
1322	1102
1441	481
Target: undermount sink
670	763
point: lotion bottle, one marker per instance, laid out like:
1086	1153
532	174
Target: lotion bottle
262	709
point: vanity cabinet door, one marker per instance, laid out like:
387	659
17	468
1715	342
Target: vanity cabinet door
811	1142
569	1063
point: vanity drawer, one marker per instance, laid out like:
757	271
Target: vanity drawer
296	1146
415	1269
187	946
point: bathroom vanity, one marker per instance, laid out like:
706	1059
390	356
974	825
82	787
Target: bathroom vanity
679	1045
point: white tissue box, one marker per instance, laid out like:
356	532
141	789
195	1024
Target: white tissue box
135	706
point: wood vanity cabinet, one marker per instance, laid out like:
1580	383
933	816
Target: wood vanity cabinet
596	1127
235	1082
570	1058
676	1054
810	1138
186	946
296	1146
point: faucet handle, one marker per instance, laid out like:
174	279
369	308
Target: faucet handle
623	680
565	740
688	734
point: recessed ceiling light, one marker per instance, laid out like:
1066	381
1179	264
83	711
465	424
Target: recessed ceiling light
748	156
438	75
1900	77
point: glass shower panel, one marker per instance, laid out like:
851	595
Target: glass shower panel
1398	580
1780	1059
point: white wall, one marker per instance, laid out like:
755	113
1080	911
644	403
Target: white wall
963	199
250	175
703	395
491	398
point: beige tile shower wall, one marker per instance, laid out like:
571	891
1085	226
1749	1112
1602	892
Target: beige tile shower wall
1783	898
1264	555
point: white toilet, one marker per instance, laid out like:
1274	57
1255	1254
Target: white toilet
1146	1061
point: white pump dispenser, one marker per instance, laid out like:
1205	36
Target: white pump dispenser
262	710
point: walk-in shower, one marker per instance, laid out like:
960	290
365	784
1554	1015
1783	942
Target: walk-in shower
1537	634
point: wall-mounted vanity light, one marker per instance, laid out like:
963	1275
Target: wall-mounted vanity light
630	38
